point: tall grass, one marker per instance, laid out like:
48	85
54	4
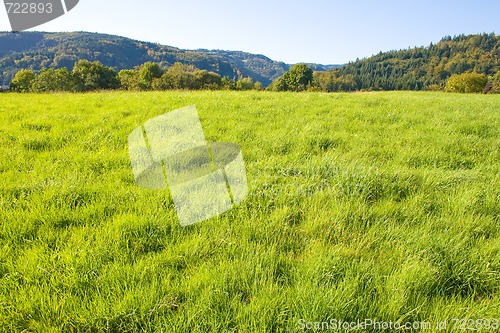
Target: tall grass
371	205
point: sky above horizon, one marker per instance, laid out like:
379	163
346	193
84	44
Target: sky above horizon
316	31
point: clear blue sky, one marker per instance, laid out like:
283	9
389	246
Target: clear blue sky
321	31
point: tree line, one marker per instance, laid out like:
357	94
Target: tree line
301	78
459	64
92	76
419	68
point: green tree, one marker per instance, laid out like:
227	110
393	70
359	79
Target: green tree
94	76
299	77
22	81
129	79
245	83
53	80
203	79
466	83
147	73
278	85
177	76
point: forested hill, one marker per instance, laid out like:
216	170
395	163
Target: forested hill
37	50
421	67
412	69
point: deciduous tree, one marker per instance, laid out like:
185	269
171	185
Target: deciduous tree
298	77
129	79
466	83
22	81
94	76
53	80
147	73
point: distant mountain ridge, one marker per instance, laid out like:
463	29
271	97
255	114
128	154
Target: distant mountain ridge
415	68
37	50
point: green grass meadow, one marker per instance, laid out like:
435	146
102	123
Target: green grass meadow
362	205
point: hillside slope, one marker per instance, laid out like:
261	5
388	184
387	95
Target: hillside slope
36	50
418	68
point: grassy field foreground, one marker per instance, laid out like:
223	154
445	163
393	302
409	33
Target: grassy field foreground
371	205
